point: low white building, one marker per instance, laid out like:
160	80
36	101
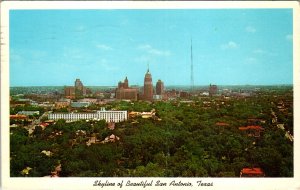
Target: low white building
29	113
108	116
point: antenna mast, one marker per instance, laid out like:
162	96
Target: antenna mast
148	66
192	67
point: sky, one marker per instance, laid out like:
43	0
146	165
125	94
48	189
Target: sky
102	47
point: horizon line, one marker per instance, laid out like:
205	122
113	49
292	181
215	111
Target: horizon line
181	85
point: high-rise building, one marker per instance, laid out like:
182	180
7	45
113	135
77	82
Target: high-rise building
124	92
80	90
78	84
126	83
69	92
160	87
213	89
148	88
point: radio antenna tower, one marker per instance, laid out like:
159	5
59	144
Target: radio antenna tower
192	67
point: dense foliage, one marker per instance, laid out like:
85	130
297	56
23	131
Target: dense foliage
185	142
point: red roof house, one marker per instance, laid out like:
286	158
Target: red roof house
252	130
252	172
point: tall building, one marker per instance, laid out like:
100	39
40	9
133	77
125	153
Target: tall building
160	87
124	92
126	83
78	84
148	88
69	92
213	89
80	90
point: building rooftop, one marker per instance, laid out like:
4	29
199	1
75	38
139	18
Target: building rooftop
18	117
251	127
252	171
222	124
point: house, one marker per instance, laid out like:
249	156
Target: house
44	125
111	138
252	130
111	125
252	172
18	117
221	126
47	153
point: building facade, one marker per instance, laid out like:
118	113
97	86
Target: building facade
124	92
148	87
76	91
108	116
213	90
80	90
160	87
69	92
28	113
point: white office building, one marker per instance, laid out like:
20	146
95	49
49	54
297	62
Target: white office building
108	116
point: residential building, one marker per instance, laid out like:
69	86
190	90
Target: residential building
252	172
252	130
18	117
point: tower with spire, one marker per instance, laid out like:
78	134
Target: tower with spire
148	87
126	83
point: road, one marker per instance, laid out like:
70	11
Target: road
288	135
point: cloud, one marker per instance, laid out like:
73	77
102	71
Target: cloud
289	37
106	66
230	45
250	60
104	47
143	58
149	49
32	56
262	52
80	29
259	51
250	29
73	53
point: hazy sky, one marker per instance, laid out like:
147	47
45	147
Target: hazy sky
101	47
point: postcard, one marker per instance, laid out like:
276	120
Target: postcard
149	95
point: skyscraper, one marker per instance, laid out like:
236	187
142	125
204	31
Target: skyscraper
80	90
78	84
159	87
148	88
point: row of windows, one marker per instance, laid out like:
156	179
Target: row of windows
110	117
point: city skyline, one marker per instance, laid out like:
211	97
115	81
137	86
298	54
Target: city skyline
230	47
